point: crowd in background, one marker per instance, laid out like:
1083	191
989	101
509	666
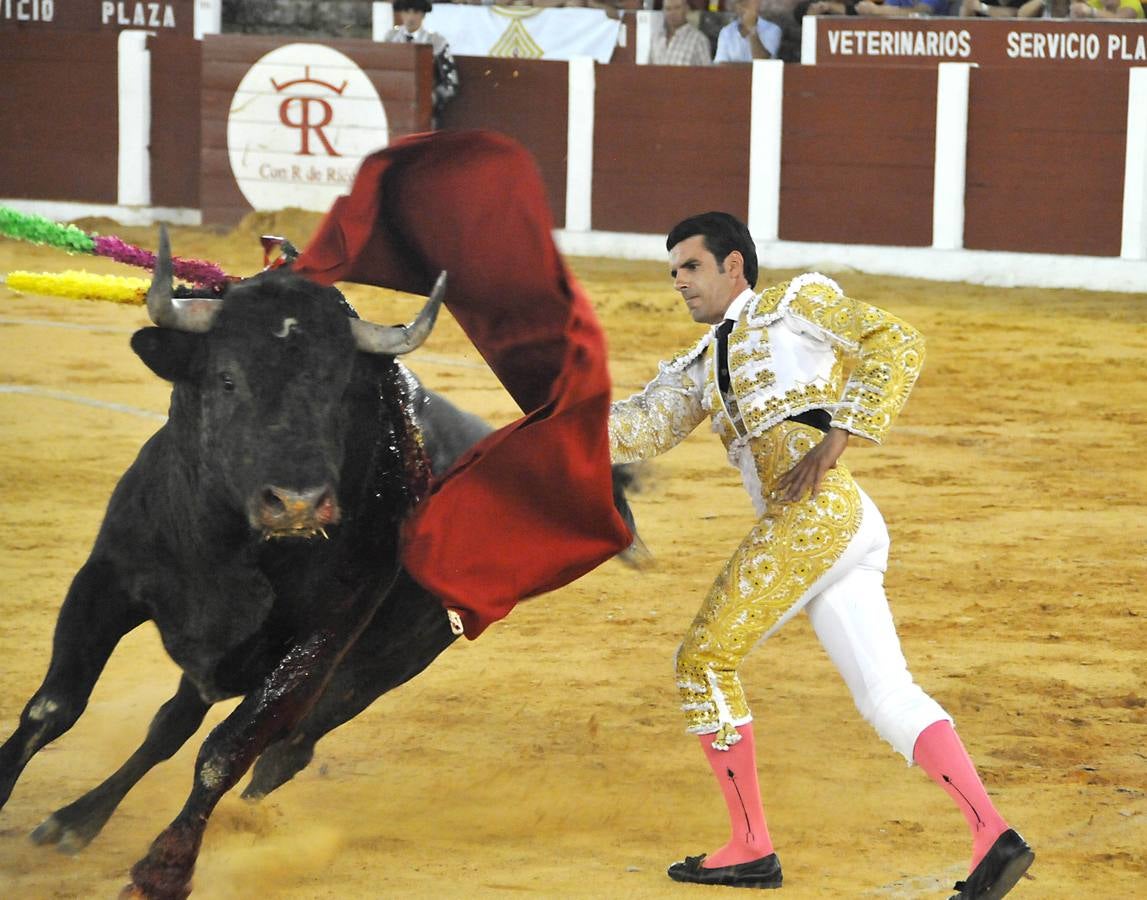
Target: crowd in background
707	32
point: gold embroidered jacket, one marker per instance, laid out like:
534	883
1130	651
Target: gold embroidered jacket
799	345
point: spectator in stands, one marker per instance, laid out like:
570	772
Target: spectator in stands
678	43
1003	9
902	8
446	81
1106	9
748	36
783	14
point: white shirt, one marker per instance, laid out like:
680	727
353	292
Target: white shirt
732	47
739	303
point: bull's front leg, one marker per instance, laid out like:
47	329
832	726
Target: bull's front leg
266	715
92	620
74	826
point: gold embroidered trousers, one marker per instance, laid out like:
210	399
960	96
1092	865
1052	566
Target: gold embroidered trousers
829	551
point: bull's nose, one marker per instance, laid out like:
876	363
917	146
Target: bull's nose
283	509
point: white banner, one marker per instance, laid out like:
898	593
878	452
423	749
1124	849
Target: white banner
525	32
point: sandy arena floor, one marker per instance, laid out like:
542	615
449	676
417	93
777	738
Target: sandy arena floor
548	757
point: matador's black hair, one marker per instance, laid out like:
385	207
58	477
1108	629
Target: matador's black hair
723	234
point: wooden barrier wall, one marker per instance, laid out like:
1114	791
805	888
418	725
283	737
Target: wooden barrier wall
60	108
1045	167
176	133
858	156
667	142
1045	156
1045	164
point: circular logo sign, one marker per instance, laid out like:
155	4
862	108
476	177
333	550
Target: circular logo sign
300	123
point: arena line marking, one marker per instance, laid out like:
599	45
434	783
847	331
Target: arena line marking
45	323
432	358
33	391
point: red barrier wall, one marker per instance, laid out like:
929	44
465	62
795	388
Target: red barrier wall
60	109
175	125
1045	163
669	142
858	155
1045	156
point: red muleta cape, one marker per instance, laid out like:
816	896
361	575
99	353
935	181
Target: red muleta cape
531	507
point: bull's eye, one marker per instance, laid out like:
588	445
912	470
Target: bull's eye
227	381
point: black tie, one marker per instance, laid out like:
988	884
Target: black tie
409	36
723	354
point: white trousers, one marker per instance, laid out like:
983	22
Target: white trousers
850	615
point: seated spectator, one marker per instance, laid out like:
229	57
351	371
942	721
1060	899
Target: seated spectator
677	43
748	36
1003	9
902	8
1106	9
446	82
783	14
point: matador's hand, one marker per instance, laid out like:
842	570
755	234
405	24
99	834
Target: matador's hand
807	474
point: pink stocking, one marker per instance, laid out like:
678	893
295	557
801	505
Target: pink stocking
941	754
736	772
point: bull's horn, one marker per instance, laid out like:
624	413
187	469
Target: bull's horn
165	311
394	340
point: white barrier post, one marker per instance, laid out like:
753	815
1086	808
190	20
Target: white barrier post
579	145
949	180
134	69
808	40
208	17
766	117
381	20
1135	168
647	22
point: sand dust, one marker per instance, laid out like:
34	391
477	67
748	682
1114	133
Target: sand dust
548	757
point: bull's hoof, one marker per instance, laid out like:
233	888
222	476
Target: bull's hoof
134	892
71	828
165	873
67	838
47	832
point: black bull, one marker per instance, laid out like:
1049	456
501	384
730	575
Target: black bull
281	432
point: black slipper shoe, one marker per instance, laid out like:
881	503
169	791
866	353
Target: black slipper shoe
998	871
758	873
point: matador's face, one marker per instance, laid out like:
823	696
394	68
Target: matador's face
706	286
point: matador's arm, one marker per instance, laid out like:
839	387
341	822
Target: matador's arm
660	416
889	354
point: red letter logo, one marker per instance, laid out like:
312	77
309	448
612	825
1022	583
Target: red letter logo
313	113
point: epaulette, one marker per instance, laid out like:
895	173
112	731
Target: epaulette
772	303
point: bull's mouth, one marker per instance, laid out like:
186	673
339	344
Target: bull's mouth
304	532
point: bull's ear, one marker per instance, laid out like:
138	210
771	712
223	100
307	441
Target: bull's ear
168	353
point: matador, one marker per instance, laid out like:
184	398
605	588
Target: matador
786	376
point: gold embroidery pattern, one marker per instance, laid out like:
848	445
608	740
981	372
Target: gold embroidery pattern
659	417
784	554
769	302
890	356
